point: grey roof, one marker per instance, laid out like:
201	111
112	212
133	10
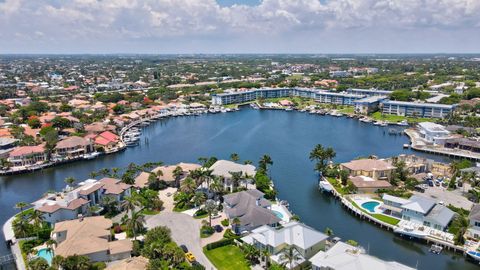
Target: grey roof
441	215
417	104
419	204
475	212
224	167
471	169
6	141
249	207
292	233
394	199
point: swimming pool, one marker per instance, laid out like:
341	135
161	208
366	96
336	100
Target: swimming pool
46	254
370	206
278	214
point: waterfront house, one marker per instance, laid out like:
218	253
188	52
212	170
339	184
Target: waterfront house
107	140
72	147
223	169
419	209
168	176
463	144
27	155
90	237
251	209
342	256
6	145
433	133
373	168
365	184
473	230
133	263
71	203
306	240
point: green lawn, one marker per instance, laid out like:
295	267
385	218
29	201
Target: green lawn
150	212
398	118
348	110
384	218
336	184
227	258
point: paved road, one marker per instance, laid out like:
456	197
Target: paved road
185	230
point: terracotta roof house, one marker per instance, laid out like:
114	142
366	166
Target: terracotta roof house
364	184
167	172
74	146
27	155
89	236
70	203
373	168
134	263
98	127
251	208
108	140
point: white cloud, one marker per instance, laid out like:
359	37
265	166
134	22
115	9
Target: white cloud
106	21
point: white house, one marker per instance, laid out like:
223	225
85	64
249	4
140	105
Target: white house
306	241
70	204
343	256
419	209
433	133
224	168
473	230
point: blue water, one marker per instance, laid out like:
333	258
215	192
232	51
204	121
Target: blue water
370	206
46	254
287	137
278	214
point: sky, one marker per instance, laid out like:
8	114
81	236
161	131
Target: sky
239	26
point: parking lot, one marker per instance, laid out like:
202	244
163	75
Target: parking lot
454	197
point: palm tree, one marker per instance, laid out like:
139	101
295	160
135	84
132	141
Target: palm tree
203	161
114	173
198	198
135	223
234	157
251	253
93	174
50	244
266	256
177	173
70	180
290	255
188	185
248	162
216	185
104	172
322	155
236	224
21	227
211	208
37	218
236	178
129	203
21	206
264	162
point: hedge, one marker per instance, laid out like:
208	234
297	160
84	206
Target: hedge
221	243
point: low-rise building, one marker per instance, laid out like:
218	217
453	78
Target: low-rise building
224	168
251	209
421	210
343	256
72	147
473	230
72	203
415	109
306	240
433	133
374	168
27	155
90	237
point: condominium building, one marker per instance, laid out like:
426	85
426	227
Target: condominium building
415	109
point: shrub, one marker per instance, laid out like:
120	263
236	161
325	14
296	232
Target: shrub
98	266
221	243
225	222
228	234
206	231
117	229
200	212
136	248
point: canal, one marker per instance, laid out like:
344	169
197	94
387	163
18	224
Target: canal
288	138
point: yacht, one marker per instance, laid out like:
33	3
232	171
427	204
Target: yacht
91	155
403	123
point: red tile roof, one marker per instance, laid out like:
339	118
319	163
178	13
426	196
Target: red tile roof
27	150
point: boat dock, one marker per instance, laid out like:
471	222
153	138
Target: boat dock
417	145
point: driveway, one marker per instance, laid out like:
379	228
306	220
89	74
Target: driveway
185	231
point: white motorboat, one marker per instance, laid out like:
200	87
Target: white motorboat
403	123
91	155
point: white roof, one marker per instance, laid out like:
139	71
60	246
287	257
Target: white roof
224	167
292	233
346	257
394	199
432	127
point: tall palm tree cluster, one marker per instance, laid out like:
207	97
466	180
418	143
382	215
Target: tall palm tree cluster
29	223
322	155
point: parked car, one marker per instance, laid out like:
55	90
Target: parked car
184	248
189	256
218	228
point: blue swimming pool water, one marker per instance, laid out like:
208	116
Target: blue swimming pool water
370	206
46	254
278	214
